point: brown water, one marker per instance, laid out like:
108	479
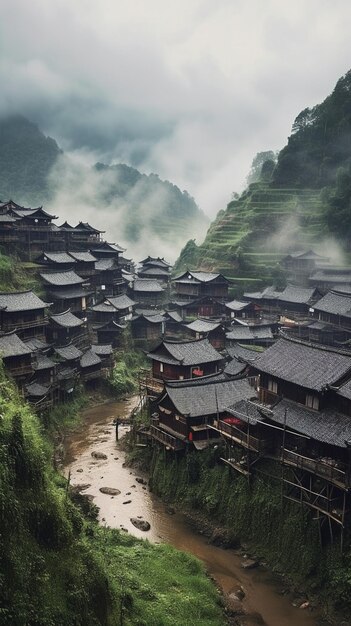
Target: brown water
97	434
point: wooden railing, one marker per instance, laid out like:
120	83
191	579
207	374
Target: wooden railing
39	321
150	383
19	371
242	438
337	475
166	438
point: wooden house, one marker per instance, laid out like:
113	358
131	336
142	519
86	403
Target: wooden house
242	310
83	236
56	261
200	307
67	290
84	263
192	285
66	328
17	358
109	332
185	411
39	396
105	352
105	250
34	230
148	327
108	277
331	278
115	308
334	308
147	292
90	366
24	313
174	324
299	265
178	360
203	328
297	301
258	335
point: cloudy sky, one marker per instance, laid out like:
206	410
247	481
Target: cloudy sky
190	89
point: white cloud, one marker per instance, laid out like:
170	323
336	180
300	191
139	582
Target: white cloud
189	89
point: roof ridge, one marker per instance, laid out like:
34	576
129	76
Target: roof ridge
309	344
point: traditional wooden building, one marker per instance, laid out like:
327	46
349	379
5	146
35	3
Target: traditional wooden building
90	366
24	313
56	261
213	330
105	250
242	310
108	278
116	308
17	358
258	335
174	324
299	265
84	263
105	352
34	230
185	411
334	308
149	328
109	332
192	285
331	278
147	292
67	290
66	328
200	307
178	360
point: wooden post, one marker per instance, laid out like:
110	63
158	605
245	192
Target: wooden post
117	424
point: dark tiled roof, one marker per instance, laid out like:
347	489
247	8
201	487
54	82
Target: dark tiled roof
153	271
11	345
86	226
174	316
335	303
121	302
157	262
85	257
345	390
309	366
144	284
200	277
246	411
203	326
66	319
35	344
69	352
237	305
245	354
89	358
234	367
141	311
297	295
102	349
69	293
269	293
57	257
332	276
207	398
101	265
327	426
153	319
186	352
6	218
247	333
62	278
43	363
107	247
37	390
21	301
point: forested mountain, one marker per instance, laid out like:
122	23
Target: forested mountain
132	206
299	202
26	158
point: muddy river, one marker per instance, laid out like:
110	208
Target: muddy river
97	435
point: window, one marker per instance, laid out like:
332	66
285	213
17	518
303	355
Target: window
272	385
312	401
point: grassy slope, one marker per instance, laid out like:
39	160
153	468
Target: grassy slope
56	568
239	241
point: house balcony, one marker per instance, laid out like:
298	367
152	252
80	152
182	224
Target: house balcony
167	439
328	469
22	324
151	385
21	370
244	439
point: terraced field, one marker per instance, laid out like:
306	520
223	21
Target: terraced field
247	240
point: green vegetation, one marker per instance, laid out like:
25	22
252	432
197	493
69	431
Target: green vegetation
56	568
129	362
284	535
26	159
15	275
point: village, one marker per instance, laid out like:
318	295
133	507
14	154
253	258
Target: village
264	375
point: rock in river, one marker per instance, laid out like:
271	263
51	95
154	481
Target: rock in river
99	455
110	491
141	524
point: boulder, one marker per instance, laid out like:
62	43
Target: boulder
141	524
141	481
126	502
110	491
99	455
249	564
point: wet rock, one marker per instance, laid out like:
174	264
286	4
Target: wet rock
233	603
80	470
140	524
144	488
249	564
116	458
110	491
128	493
305	605
99	455
133	486
141	481
81	487
126	502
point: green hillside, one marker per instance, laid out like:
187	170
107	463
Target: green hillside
296	204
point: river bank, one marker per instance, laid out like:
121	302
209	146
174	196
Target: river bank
264	598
